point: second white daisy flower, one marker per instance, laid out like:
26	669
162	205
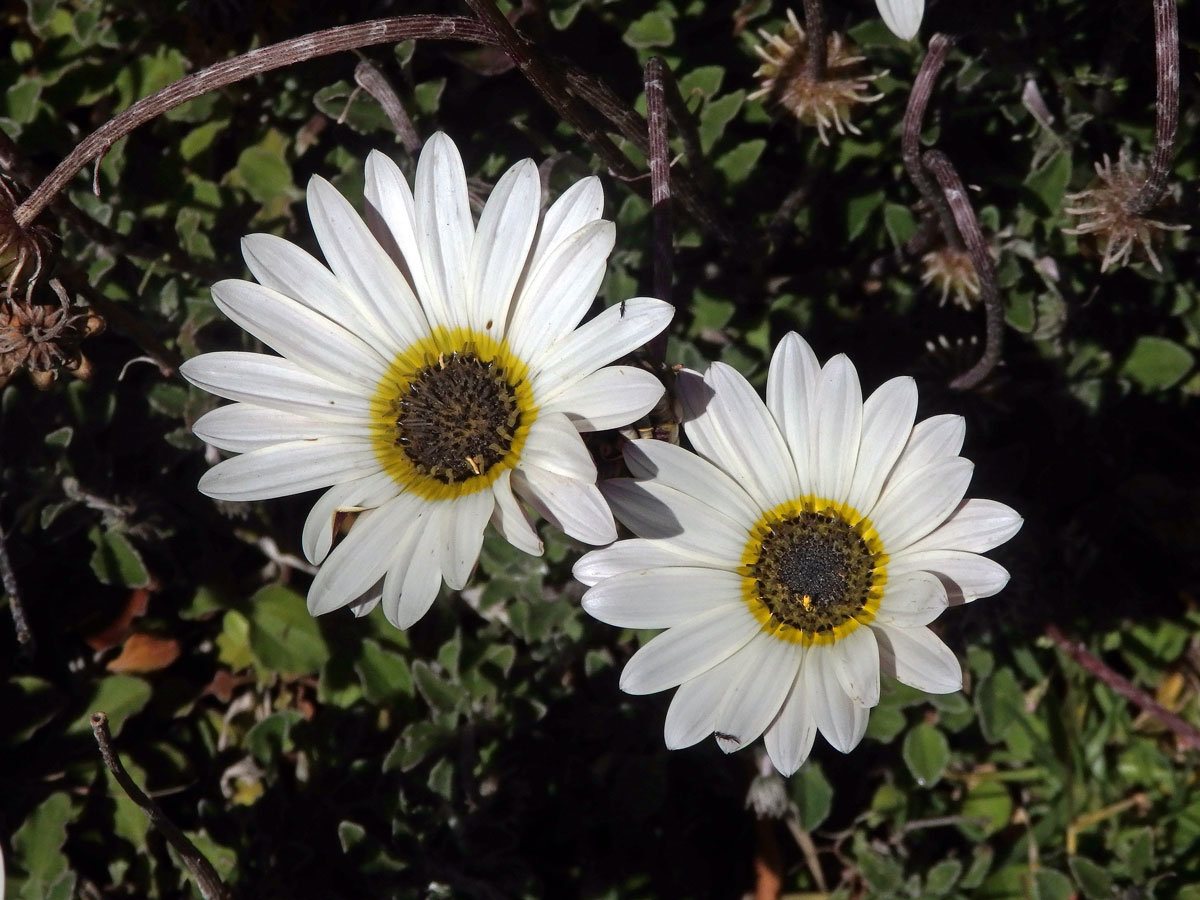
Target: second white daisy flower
430	373
802	551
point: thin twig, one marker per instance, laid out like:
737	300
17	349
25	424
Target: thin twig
968	228
9	579
371	80
1166	115
660	195
818	36
1187	734
207	879
686	127
910	142
226	72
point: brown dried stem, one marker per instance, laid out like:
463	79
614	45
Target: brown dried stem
910	142
1187	734
9	580
371	80
1166	116
660	194
207	879
968	228
226	72
818	36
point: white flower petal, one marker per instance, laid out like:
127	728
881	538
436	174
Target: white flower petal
903	17
510	518
423	575
355	257
609	336
290	468
692	715
444	229
652	510
501	246
630	556
392	217
574	506
366	553
840	719
915	505
466	520
683	652
661	598
242	427
839	429
931	440
676	468
303	336
756	696
275	383
976	526
370	492
856	665
579	204
608	398
728	424
393	582
918	658
791	397
912	598
966	576
887	422
284	267
790	737
554	445
558	293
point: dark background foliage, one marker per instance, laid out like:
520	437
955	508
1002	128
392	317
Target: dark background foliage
488	753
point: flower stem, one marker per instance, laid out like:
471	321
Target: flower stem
230	71
967	225
8	579
660	193
1166	116
818	39
910	142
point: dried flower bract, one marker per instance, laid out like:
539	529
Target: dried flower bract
824	102
23	250
1104	213
951	271
45	338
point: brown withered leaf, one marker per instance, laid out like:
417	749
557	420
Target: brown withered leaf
145	653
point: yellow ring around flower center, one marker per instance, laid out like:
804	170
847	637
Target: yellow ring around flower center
762	552
414	370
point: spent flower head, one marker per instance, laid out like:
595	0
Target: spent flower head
951	272
1104	213
824	101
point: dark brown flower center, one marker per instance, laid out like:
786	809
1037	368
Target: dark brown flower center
458	418
814	571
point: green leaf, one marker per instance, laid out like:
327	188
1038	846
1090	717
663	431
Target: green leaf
859	210
739	162
900	223
283	636
1094	881
812	794
942	877
271	737
1156	363
926	753
703	82
262	170
1049	183
1052	885
120	697
37	845
990	803
716	115
129	820
115	560
1000	703
22	100
438	693
654	29
981	864
385	675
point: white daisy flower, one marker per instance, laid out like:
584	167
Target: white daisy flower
428	372
903	17
800	553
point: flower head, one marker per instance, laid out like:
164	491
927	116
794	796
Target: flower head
823	102
430	370
1104	213
951	271
802	551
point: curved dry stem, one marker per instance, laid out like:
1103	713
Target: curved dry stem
1166	109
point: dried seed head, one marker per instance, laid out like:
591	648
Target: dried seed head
1103	211
952	272
44	338
24	251
826	102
